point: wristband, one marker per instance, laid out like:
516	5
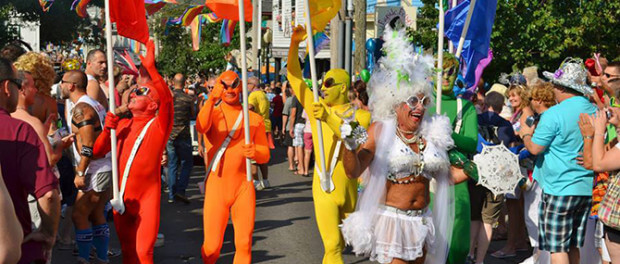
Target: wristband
86	151
588	137
526	135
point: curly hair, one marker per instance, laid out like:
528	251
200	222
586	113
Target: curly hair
543	91
40	67
522	91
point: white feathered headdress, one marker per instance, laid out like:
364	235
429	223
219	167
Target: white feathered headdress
399	74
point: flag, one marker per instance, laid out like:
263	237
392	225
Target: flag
152	8
229	9
478	38
196	29
322	11
321	40
226	32
130	18
190	13
80	7
46	4
212	18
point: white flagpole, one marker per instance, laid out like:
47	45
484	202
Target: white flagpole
325	181
472	5
439	78
450	44
244	81
116	202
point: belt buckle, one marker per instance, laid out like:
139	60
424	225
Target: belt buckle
410	212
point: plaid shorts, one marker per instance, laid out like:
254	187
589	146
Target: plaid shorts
562	222
298	140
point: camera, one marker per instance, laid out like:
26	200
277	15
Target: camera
531	120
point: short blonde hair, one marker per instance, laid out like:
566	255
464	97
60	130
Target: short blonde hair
522	91
41	69
543	91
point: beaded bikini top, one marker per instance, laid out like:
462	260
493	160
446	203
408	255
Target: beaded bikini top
403	162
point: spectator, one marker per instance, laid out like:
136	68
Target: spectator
276	115
486	207
96	70
179	147
567	187
296	130
12	51
287	124
258	102
361	96
11	234
40	67
26	170
611	79
307	145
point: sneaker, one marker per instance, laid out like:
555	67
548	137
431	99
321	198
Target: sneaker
160	240
182	198
259	186
266	184
114	252
170	200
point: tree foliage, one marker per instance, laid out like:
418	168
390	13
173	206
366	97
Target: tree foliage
176	54
541	33
59	24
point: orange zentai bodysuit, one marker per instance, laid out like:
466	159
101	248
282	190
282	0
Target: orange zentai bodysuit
137	227
227	192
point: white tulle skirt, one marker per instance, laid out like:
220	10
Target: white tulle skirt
402	236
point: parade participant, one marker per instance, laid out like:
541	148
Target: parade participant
464	120
227	191
140	187
92	176
96	69
330	206
42	71
404	151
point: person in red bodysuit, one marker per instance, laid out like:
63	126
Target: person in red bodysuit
227	191
137	227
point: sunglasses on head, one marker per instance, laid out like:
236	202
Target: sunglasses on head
141	91
330	82
233	85
17	82
413	101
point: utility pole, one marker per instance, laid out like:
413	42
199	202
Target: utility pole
359	18
336	44
348	38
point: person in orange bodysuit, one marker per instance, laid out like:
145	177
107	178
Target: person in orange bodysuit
227	191
138	225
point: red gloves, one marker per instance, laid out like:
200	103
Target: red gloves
111	121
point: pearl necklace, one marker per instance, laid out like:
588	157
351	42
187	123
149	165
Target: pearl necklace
408	141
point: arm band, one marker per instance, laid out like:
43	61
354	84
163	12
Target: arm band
88	122
86	151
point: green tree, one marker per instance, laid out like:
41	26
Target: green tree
541	33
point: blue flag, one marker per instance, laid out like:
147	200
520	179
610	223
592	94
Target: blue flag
478	39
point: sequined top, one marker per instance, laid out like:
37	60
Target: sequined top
404	162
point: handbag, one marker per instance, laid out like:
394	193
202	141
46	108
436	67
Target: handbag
609	213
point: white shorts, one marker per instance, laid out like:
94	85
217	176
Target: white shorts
399	235
98	182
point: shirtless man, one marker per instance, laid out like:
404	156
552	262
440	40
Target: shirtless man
93	176
96	69
26	99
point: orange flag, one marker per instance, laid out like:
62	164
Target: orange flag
130	18
229	9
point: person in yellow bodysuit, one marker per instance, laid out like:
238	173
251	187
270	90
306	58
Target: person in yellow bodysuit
332	205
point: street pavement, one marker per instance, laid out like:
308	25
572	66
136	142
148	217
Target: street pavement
285	231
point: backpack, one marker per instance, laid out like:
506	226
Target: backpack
489	134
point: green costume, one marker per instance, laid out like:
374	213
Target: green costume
466	141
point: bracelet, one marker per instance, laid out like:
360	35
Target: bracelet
588	137
526	135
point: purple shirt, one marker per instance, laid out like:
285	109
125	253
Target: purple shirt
25	170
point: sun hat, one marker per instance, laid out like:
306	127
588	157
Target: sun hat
572	75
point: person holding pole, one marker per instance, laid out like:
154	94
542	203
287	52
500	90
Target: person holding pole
227	190
141	142
331	205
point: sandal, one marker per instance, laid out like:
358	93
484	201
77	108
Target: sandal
502	255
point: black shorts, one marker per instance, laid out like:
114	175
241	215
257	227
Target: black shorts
612	234
288	140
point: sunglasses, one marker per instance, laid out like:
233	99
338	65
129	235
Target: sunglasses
449	71
17	82
141	91
233	85
414	101
330	82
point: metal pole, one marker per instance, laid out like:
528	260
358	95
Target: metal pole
325	181
472	6
116	201
347	37
440	57
244	81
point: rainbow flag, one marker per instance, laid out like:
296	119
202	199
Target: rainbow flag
196	30
154	7
135	46
160	1
190	13
80	7
227	30
46	4
212	18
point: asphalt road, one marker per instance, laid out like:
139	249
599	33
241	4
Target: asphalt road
285	230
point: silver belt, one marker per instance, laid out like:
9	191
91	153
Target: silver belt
405	212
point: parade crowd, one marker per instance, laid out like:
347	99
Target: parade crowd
382	141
